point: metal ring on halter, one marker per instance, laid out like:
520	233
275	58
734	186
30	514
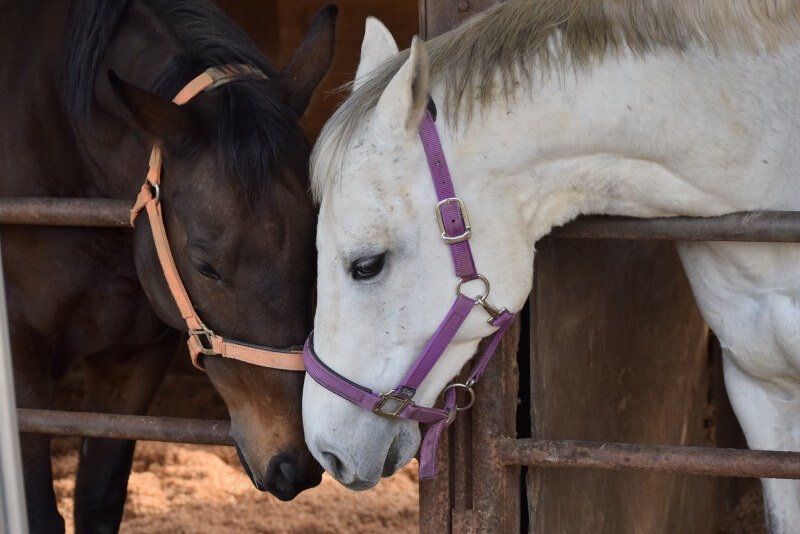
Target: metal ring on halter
468	388
156	191
481	298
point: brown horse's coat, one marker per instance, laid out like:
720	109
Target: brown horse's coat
236	209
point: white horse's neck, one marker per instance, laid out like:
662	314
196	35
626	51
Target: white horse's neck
666	135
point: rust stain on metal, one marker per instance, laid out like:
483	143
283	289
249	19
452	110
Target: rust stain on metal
704	461
769	226
95	212
133	427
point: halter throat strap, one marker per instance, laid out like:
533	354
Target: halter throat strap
454	225
202	341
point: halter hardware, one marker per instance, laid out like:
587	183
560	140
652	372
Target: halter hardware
156	191
204	337
480	300
452	240
466	386
390	397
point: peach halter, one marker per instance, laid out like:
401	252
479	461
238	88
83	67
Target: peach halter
201	339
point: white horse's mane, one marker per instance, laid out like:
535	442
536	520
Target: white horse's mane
516	38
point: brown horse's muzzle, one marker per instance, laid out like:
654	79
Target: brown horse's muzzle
287	474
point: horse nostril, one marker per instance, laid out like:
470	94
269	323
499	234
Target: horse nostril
335	465
287	470
281	476
286	477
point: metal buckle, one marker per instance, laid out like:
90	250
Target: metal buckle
464	215
390	396
203	336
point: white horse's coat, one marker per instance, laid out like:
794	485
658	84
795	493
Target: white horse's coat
665	134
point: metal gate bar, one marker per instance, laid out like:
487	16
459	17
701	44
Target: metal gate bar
771	226
13	508
97	212
705	461
535	452
766	226
102	425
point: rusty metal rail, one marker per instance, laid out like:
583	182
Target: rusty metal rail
773	226
770	226
533	452
97	212
101	425
704	461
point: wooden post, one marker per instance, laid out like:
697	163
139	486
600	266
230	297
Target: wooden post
619	352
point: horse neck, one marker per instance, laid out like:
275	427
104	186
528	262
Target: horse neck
114	154
654	136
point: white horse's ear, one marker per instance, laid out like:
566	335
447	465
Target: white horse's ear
402	104
377	47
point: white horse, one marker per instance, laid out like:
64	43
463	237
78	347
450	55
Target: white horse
550	109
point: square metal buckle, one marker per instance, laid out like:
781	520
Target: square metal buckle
203	336
388	397
452	240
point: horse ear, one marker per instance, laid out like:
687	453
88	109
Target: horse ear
377	47
312	60
404	101
151	113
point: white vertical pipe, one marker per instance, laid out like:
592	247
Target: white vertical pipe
13	518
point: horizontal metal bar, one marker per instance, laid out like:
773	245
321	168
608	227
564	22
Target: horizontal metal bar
659	458
101	425
97	212
766	226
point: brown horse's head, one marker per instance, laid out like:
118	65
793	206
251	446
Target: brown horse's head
240	224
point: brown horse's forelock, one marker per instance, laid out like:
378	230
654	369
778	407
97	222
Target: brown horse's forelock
256	136
511	42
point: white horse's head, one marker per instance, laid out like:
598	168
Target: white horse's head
386	278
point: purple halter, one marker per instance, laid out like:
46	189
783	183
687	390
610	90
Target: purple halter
453	222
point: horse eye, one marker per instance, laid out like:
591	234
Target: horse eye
208	271
368	267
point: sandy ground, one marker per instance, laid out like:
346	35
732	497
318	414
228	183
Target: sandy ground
190	489
181	489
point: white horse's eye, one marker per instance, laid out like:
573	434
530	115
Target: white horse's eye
367	267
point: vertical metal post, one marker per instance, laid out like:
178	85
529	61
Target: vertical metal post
13	518
453	502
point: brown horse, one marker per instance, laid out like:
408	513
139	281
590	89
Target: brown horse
236	209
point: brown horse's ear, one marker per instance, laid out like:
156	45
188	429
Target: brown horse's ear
151	113
312	60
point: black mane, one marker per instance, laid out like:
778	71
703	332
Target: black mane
256	136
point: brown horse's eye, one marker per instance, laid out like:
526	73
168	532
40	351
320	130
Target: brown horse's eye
208	271
368	267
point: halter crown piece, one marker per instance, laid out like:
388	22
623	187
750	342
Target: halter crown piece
451	214
202	341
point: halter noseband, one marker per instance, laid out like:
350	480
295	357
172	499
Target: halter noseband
201	339
451	215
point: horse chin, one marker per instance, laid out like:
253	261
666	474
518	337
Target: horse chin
401	451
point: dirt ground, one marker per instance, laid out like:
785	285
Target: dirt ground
194	489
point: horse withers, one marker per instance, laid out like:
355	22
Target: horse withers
543	111
86	89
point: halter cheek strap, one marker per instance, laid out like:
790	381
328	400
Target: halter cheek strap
202	341
453	220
